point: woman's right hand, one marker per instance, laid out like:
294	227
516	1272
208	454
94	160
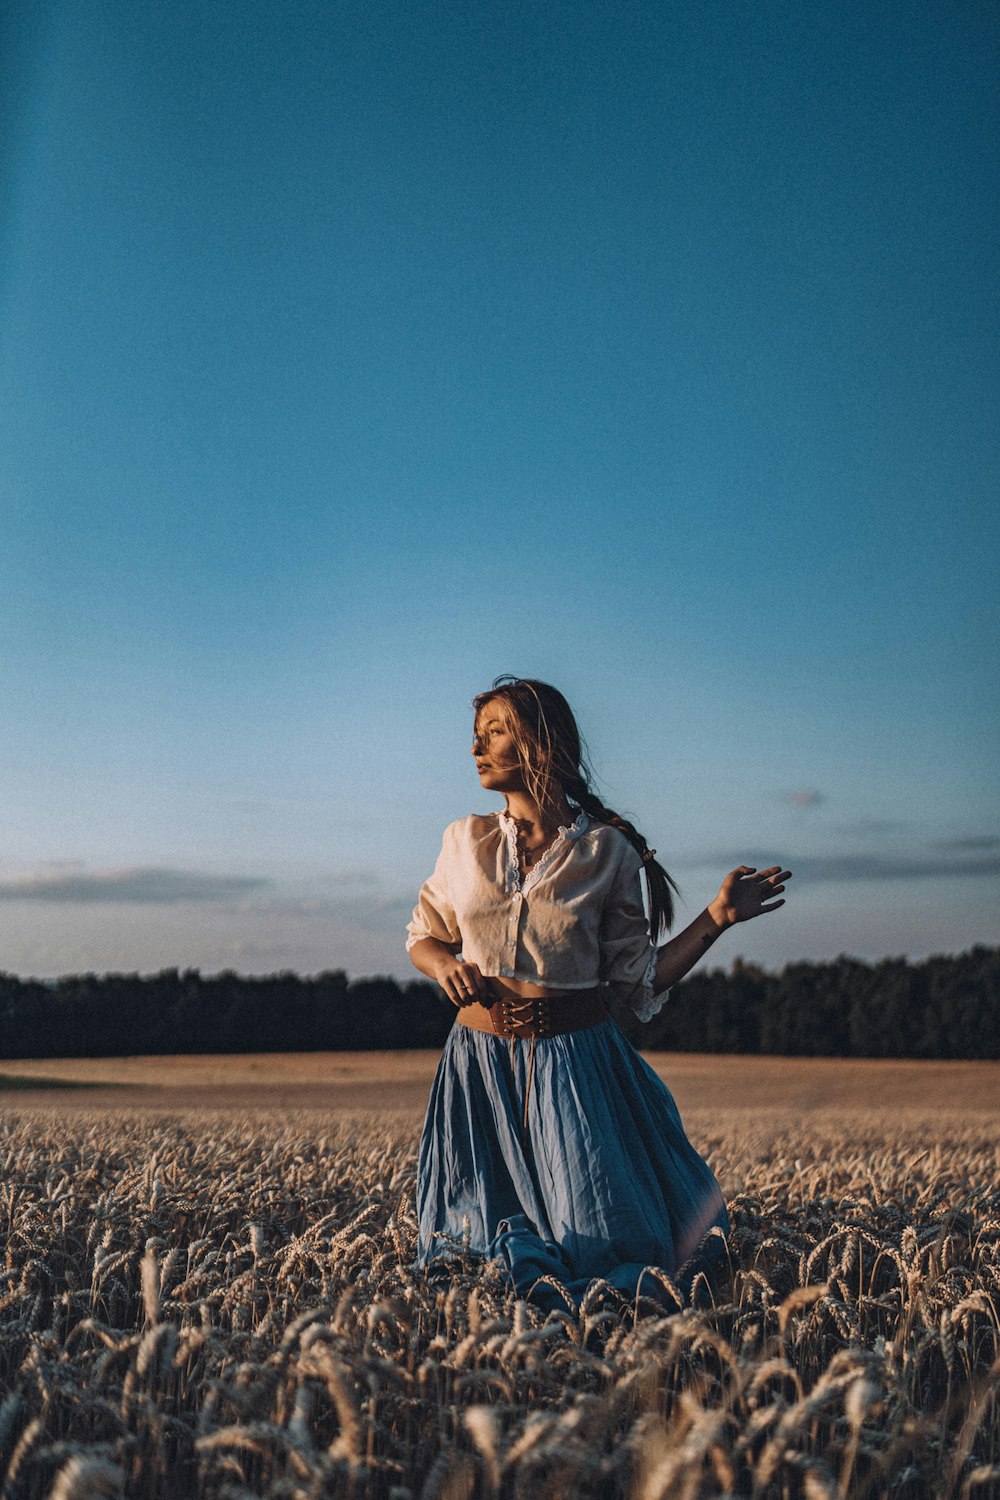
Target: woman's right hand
460	981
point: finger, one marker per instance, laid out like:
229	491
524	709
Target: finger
477	980
773	906
459	982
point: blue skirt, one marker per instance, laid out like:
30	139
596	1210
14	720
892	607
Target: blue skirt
602	1184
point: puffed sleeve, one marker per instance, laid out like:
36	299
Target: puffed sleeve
628	957
434	915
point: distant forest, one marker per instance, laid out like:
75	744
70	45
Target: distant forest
942	1007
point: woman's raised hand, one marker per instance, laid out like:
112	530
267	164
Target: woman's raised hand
746	893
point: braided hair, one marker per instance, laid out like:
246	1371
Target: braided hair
551	755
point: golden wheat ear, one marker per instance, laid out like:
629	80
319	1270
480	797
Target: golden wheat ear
207	1301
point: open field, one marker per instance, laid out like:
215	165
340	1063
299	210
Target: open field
207	1292
401	1081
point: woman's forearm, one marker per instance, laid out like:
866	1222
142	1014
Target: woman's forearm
460	981
681	953
429	956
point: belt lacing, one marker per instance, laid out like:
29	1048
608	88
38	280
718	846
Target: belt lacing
512	1016
537	1015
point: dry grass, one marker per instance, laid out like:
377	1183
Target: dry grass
224	1305
401	1080
238	1069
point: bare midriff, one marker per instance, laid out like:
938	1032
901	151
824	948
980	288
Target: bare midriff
526	989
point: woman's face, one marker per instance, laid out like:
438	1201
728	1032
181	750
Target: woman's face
495	752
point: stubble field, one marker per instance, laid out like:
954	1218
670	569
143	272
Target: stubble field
207	1290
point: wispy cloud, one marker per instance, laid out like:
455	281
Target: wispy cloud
840	868
983	843
803	797
869	828
361	880
142	884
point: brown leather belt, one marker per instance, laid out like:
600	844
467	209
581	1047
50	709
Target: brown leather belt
549	1015
513	1016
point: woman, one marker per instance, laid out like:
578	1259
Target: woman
549	1143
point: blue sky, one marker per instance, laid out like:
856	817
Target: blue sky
351	355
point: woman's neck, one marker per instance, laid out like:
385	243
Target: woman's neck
529	818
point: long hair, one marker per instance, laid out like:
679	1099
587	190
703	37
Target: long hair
552	760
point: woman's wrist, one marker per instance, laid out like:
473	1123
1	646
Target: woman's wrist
716	914
442	962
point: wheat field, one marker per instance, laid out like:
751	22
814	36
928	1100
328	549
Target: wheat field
222	1303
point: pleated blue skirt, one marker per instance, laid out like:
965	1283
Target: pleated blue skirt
602	1184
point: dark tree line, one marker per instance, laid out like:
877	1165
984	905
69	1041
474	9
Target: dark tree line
115	1015
942	1007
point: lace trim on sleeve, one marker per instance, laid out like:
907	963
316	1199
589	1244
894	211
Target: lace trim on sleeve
650	1004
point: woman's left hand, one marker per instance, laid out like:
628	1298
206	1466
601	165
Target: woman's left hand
745	891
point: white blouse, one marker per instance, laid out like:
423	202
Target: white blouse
575	920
